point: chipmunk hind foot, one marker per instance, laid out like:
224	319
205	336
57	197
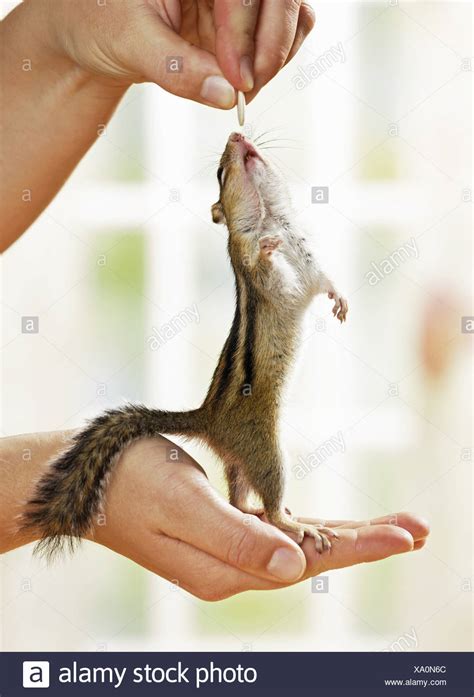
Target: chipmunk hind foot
321	534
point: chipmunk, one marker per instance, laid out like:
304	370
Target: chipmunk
276	277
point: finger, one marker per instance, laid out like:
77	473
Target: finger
160	55
275	34
189	568
306	22
235	24
366	544
415	524
195	513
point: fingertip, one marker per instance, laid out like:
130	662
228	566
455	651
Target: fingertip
286	564
235	25
419	526
424	527
307	17
246	74
381	541
403	541
416	525
396	540
237	70
250	96
218	92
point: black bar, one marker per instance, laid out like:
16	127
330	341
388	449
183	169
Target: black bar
316	674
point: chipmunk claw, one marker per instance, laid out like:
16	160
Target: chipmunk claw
320	533
322	536
340	308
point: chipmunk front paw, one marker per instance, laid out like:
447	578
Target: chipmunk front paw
340	308
269	244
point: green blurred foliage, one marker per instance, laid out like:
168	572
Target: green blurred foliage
124	253
118	311
381	163
124	596
250	613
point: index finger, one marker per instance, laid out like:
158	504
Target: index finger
415	524
235	24
357	545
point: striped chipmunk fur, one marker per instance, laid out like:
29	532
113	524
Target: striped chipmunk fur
276	277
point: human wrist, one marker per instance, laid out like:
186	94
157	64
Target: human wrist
27	37
35	37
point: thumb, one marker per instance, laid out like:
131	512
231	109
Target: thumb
261	549
160	55
241	540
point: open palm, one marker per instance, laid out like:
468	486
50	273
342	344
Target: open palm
166	516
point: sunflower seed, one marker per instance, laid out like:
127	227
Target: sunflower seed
241	107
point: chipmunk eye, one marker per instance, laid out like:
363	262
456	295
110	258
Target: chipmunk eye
220	176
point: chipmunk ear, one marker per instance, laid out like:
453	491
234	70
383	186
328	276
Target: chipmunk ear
218	213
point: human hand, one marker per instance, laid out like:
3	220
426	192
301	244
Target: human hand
220	44
162	513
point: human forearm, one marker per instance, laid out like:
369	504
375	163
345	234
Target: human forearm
51	114
23	459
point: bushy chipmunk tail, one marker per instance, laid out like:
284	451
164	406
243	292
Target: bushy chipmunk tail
69	495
